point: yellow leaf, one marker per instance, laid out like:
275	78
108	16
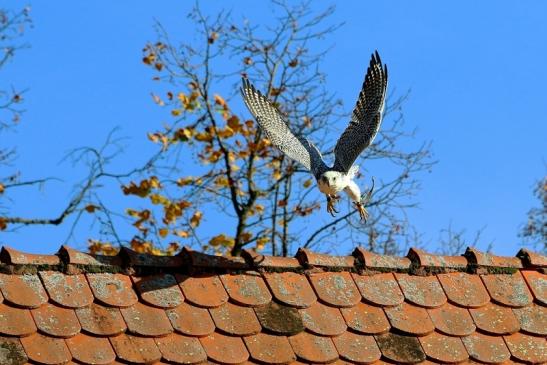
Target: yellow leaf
221	240
175	112
159	199
221	181
220	101
246	236
163	232
183	181
173	247
259	208
307	183
3	224
182	234
157	100
233	123
196	218
261	242
2	188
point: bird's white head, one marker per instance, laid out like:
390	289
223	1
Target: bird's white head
332	182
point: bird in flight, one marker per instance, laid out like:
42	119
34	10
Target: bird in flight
363	127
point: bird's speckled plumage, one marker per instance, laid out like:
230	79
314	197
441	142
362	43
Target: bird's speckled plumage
363	127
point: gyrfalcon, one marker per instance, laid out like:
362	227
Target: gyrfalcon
363	127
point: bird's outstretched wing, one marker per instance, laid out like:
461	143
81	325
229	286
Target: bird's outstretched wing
277	130
366	116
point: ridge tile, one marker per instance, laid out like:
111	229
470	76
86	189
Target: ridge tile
70	291
309	258
56	321
23	290
532	259
115	290
16	321
486	260
538	284
358	348
291	288
12	352
443	348
424	259
508	289
257	260
527	348
323	320
235	320
312	348
532	319
379	289
401	349
91	350
463	289
270	349
134	258
203	260
410	319
279	318
100	320
160	290
12	256
452	320
495	319
224	349
181	349
203	290
46	350
336	289
246	289
74	257
144	320
373	261
133	349
366	318
424	291
484	348
191	320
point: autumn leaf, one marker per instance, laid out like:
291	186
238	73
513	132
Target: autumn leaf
221	240
282	203
182	234
90	208
248	61
96	247
293	62
261	243
3	224
183	181
246	236
2	188
307	183
175	112
220	101
212	37
157	100
163	232
172	248
158	66
196	219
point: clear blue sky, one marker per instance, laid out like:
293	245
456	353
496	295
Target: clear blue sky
476	71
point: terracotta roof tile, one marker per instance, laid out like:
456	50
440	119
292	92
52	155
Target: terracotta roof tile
235	320
56	321
485	348
537	282
270	349
16	321
323	320
23	290
380	289
12	352
279	318
423	291
410	319
532	319
358	348
115	290
316	349
401	349
246	289
225	349
510	290
372	260
443	348
144	320
46	350
464	289
67	290
495	319
335	288
133	349
203	290
100	320
191	320
452	320
291	288
527	348
532	259
366	318
91	350
181	349
202	309
159	290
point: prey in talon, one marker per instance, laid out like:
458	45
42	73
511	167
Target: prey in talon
363	126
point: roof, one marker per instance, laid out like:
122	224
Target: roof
73	308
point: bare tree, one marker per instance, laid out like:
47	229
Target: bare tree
535	230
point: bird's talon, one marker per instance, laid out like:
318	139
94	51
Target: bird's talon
330	205
363	214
